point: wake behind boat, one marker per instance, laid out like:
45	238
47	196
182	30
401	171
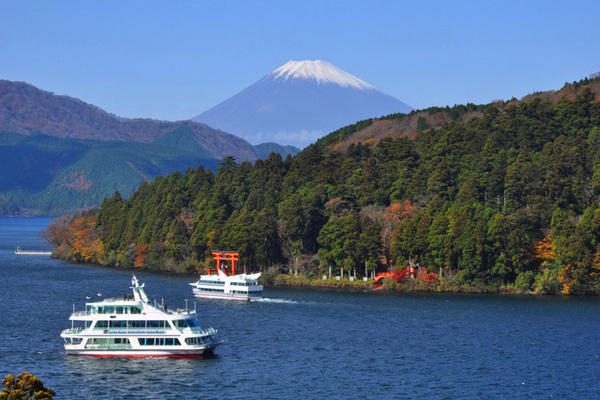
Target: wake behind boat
133	327
223	286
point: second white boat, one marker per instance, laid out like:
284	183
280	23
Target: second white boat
220	286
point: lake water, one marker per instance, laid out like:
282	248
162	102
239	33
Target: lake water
294	344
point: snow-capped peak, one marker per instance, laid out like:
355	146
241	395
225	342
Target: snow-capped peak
320	71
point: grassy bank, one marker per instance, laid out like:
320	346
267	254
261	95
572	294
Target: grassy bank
388	284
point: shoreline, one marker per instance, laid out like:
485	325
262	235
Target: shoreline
344	284
409	286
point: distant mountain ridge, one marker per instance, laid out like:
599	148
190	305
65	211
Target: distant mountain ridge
299	103
25	109
59	154
265	149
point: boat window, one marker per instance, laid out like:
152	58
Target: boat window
137	324
158	342
101	324
119	310
135	310
192	341
206	282
211	290
156	324
187	323
118	324
109	310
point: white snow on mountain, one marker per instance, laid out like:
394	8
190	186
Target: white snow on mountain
299	103
320	71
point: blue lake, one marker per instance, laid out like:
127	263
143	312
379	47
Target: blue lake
305	343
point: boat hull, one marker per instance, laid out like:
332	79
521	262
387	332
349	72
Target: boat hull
143	353
226	296
138	354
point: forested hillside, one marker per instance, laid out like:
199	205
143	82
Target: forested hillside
508	197
53	176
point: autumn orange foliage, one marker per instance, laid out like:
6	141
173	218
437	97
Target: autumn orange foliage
544	250
401	210
395	213
400	275
565	275
86	245
141	253
596	266
430	277
335	145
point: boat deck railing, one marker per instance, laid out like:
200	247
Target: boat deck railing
139	331
108	346
122	298
83	313
132	331
72	331
208	283
206	331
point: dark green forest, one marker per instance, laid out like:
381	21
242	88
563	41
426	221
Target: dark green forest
508	200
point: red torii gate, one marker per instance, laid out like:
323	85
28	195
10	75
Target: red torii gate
219	255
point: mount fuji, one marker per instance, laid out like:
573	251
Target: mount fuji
299	103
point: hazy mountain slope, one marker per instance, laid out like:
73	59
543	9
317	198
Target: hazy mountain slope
184	138
265	149
48	175
299	103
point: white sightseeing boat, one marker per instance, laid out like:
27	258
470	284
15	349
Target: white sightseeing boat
227	286
235	287
20	252
134	327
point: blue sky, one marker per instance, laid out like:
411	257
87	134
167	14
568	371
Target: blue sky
173	60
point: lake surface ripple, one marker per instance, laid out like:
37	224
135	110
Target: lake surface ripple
302	343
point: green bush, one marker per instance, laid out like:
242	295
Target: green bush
525	281
548	282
